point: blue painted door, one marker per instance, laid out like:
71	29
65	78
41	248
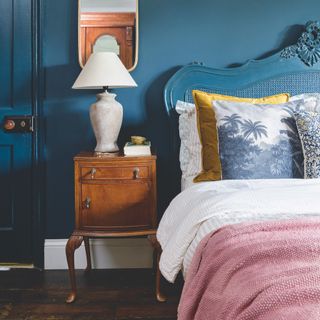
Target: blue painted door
16	149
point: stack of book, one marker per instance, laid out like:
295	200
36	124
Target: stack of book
131	149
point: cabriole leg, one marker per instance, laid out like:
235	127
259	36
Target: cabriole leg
155	244
88	254
73	244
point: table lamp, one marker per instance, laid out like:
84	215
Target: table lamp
104	70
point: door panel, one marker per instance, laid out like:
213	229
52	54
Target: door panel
6	217
110	208
6	54
15	148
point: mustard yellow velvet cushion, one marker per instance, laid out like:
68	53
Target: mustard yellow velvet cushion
211	165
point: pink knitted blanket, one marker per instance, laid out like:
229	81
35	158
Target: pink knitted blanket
256	271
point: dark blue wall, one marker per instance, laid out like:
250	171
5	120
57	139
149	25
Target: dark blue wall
172	33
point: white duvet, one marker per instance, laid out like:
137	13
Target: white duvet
207	206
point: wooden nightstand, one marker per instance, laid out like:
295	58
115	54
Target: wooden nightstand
115	196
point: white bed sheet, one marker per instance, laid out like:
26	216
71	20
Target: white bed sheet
207	206
186	182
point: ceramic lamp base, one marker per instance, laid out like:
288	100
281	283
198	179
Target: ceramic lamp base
106	118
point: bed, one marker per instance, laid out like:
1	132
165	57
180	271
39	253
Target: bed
248	248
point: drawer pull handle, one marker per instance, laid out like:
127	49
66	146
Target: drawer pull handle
93	172
87	203
136	173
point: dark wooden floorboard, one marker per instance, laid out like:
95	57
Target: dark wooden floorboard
102	295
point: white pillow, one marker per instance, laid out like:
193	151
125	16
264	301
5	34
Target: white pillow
312	100
190	148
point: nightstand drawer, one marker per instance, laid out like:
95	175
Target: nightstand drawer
116	206
126	172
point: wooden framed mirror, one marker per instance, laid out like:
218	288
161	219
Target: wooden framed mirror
109	25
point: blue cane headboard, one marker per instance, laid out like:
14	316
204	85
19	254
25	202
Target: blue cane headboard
295	69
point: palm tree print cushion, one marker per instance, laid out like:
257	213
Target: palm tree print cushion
259	141
308	124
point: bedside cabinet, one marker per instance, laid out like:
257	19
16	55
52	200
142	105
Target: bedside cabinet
115	196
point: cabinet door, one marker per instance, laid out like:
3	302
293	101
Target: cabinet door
116	205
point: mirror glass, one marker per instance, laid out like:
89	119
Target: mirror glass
109	25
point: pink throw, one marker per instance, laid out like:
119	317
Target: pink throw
256	271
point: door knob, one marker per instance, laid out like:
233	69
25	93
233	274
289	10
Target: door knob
9	124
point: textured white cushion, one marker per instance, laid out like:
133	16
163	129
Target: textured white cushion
190	148
312	101
314	95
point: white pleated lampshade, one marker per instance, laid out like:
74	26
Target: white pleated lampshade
104	69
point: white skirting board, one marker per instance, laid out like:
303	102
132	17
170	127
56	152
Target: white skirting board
105	254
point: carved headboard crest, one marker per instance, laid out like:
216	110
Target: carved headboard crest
307	47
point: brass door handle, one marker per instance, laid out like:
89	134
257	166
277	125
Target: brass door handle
93	172
87	203
136	173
